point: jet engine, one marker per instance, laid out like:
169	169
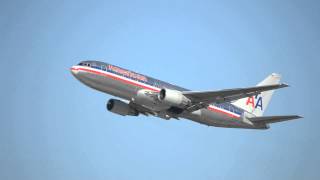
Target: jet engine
121	108
173	98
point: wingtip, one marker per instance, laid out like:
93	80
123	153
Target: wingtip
284	85
276	75
296	117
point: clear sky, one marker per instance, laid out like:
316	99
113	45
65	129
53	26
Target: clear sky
53	127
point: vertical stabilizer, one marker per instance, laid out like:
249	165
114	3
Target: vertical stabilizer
258	104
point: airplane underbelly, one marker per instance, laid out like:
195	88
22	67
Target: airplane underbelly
205	116
220	118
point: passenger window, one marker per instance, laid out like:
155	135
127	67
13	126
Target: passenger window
103	67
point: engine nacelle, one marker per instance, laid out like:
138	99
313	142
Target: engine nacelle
121	108
173	98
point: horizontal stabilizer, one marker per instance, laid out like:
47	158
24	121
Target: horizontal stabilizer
273	119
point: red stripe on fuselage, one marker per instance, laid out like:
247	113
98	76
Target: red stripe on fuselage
223	112
144	87
118	79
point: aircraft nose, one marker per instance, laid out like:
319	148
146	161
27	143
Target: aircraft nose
74	70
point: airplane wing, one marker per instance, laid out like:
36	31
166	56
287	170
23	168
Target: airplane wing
201	99
146	111
141	109
273	119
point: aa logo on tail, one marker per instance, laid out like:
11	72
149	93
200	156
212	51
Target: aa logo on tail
255	102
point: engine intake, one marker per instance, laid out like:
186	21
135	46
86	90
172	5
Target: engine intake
121	108
173	98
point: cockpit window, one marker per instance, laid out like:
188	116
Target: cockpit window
84	64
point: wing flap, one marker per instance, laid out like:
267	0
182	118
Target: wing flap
273	119
141	109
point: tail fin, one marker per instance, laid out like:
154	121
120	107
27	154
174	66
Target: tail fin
259	103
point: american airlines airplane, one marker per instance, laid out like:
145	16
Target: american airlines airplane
141	94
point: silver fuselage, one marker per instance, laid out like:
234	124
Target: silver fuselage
125	87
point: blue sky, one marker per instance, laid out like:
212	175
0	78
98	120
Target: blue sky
54	127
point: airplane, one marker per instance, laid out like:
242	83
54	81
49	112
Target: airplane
141	94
